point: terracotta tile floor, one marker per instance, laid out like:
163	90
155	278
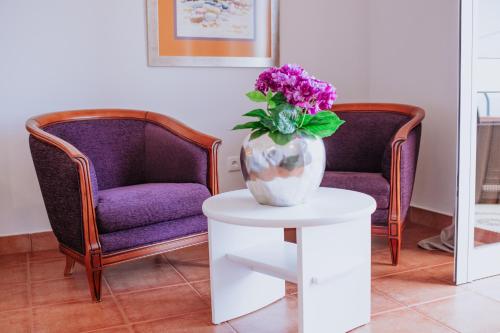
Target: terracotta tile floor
171	293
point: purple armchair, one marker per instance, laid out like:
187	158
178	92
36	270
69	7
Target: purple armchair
121	184
376	152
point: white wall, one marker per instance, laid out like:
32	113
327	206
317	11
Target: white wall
60	55
330	39
414	59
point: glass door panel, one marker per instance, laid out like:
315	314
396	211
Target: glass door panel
487	189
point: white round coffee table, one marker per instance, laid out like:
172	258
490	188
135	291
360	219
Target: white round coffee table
250	261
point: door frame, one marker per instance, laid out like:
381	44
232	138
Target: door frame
471	263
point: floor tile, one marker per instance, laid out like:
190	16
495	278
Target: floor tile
421	258
203	287
383	303
115	329
14	296
52	269
42	241
489	287
198	322
434	220
466	313
197	252
63	290
443	272
414	233
160	303
15	321
381	264
77	316
410	259
379	243
14	274
15	244
196	270
142	274
291	288
15	259
415	287
402	321
46	255
279	317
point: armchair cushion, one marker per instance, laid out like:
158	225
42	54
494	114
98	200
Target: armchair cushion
154	233
373	184
141	205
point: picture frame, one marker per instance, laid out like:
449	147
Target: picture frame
213	33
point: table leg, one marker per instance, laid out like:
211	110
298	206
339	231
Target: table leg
237	290
334	276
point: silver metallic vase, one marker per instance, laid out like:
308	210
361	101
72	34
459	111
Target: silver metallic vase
282	175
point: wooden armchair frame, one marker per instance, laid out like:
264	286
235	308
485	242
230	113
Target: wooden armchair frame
395	225
93	259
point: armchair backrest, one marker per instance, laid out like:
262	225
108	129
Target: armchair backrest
131	149
115	147
359	145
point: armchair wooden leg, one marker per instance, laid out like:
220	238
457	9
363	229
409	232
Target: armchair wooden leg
395	247
70	265
94	278
93	266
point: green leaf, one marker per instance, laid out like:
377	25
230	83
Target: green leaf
279	138
259	113
278	98
285	116
268	123
256	96
269	95
258	133
323	124
285	124
302	119
304	132
251	125
271	104
307	119
284	107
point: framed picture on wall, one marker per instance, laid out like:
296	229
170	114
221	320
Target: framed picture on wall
215	33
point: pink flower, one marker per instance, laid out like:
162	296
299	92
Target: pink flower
298	87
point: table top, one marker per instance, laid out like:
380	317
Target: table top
326	206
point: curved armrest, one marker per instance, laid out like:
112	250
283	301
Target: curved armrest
403	165
417	115
84	181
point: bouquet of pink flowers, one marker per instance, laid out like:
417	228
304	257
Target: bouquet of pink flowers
297	104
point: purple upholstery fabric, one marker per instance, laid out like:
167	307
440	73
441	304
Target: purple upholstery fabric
93	183
178	161
127	239
115	147
409	157
373	184
60	186
134	206
379	217
359	144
